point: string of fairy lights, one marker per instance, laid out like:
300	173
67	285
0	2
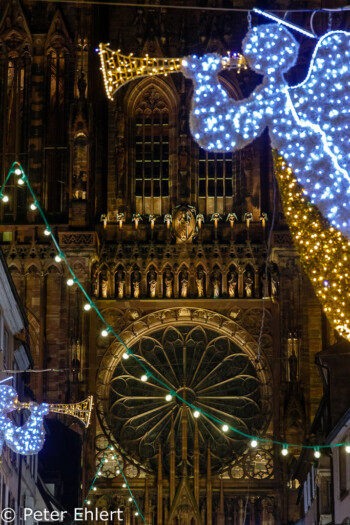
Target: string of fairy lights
147	375
92	488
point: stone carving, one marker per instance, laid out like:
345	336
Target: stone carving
248	285
168	282
136	279
184	223
200	283
216	284
184	283
152	283
232	283
265	284
120	282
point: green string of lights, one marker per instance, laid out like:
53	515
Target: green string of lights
17	169
92	487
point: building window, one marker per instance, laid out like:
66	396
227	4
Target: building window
219	179
152	117
152	154
56	138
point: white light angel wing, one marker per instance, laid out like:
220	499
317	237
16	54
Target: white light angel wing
323	98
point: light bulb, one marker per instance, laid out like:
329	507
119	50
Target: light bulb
70	282
225	428
88	502
347	449
87	307
5	198
58	258
20	182
168	397
117	471
284	451
106	460
130	499
47	232
253	443
32	206
94	488
126	355
196	414
18	171
136	513
144	377
124	485
317	454
104	333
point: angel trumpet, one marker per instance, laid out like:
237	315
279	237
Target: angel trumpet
81	410
118	69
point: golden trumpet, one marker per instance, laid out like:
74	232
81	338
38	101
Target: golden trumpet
118	69
81	410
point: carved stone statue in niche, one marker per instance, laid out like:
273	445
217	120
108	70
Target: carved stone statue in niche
216	284
136	279
79	185
120	281
94	286
232	283
200	283
265	285
152	283
274	283
248	285
184	223
184	283
82	86
104	285
168	281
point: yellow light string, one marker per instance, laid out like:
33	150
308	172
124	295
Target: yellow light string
118	69
324	251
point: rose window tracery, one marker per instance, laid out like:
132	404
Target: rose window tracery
206	368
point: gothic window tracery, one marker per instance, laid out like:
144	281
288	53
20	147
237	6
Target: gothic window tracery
153	122
59	90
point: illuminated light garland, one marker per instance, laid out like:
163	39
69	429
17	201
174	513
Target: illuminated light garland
118	69
309	124
284	22
324	251
27	439
255	440
93	488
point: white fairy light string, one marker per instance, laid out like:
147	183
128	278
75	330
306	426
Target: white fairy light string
197	412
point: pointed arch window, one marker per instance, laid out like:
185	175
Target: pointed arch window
15	72
152	149
56	132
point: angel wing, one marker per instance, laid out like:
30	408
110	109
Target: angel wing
323	98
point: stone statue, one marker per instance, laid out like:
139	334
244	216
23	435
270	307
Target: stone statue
136	284
168	281
216	284
265	285
152	283
184	283
94	287
274	283
232	283
79	188
200	283
82	86
248	285
120	283
104	286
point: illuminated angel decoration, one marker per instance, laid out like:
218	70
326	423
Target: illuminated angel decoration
308	123
26	439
